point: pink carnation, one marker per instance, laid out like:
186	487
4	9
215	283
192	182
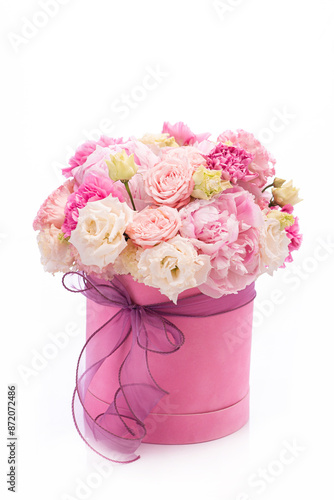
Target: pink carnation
232	161
170	182
94	188
262	163
182	133
154	225
52	210
226	228
87	149
293	233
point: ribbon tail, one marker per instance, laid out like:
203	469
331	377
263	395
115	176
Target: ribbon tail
107	433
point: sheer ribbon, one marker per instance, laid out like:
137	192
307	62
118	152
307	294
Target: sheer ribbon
116	433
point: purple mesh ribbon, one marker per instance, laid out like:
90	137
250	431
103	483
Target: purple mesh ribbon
116	433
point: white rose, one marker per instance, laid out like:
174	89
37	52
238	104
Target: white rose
173	267
274	245
99	235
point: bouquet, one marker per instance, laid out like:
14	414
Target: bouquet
174	210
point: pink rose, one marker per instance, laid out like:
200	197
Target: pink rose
262	163
170	182
52	210
153	225
182	133
226	228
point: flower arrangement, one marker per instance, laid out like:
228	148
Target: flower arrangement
174	210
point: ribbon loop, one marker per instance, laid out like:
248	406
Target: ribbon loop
117	432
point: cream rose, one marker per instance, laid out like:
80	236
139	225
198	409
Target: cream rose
274	246
173	267
99	235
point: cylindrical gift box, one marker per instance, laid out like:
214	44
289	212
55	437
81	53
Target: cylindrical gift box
207	379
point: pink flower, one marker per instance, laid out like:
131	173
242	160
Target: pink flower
87	149
96	162
226	228
153	225
293	233
232	161
170	182
193	156
262	163
182	133
52	210
94	188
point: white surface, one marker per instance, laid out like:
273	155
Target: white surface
241	69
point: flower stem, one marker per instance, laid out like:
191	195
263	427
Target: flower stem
126	184
269	185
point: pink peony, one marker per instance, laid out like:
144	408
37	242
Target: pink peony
52	210
182	133
226	228
87	149
262	163
153	225
170	182
96	162
232	161
94	188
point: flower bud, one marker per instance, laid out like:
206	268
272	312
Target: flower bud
278	182
287	194
121	166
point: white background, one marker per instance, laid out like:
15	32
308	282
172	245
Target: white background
237	64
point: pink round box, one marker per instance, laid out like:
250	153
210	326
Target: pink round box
207	378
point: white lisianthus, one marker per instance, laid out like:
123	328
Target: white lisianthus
99	235
283	218
274	245
161	140
173	267
208	183
286	194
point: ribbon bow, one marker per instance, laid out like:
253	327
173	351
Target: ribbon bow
116	433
